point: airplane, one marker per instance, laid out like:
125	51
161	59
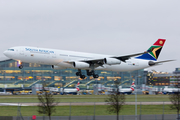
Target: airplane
170	90
127	90
71	90
63	59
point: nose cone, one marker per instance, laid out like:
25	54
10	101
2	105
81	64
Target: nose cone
7	53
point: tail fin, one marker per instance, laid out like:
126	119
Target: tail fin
132	86
153	51
77	86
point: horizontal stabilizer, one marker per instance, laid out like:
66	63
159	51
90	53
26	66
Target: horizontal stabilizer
151	63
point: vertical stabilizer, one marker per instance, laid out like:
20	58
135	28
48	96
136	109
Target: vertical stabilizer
153	51
77	87
132	86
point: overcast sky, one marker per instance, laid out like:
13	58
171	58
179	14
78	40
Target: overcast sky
115	27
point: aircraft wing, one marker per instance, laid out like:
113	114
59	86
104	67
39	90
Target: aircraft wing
122	58
126	57
100	61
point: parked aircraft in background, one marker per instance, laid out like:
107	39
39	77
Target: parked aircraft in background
127	90
170	90
71	90
62	59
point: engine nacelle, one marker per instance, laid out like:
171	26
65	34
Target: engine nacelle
80	65
112	61
57	67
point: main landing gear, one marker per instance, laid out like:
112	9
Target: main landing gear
80	74
89	73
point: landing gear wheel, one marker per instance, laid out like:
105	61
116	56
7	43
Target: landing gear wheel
82	76
89	73
95	75
78	73
20	67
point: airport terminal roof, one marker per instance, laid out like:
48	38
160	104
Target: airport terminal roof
4	59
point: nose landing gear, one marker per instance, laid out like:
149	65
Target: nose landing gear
21	67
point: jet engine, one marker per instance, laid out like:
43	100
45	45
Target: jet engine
57	67
80	65
112	61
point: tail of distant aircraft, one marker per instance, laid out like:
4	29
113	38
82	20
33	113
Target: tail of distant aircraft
153	51
77	87
132	86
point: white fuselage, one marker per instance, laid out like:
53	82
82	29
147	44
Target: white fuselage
58	58
124	90
121	90
69	91
167	90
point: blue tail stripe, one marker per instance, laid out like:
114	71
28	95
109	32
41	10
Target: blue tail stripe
146	57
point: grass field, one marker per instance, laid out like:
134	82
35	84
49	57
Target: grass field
81	98
87	110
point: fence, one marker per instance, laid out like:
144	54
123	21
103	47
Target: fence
121	117
98	111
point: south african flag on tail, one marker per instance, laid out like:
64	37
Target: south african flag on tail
153	51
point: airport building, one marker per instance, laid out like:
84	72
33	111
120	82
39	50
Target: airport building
11	77
163	78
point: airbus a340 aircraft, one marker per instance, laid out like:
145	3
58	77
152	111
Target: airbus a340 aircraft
62	59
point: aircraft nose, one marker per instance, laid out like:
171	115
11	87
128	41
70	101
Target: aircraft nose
7	53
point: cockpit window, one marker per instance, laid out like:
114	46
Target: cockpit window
10	49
